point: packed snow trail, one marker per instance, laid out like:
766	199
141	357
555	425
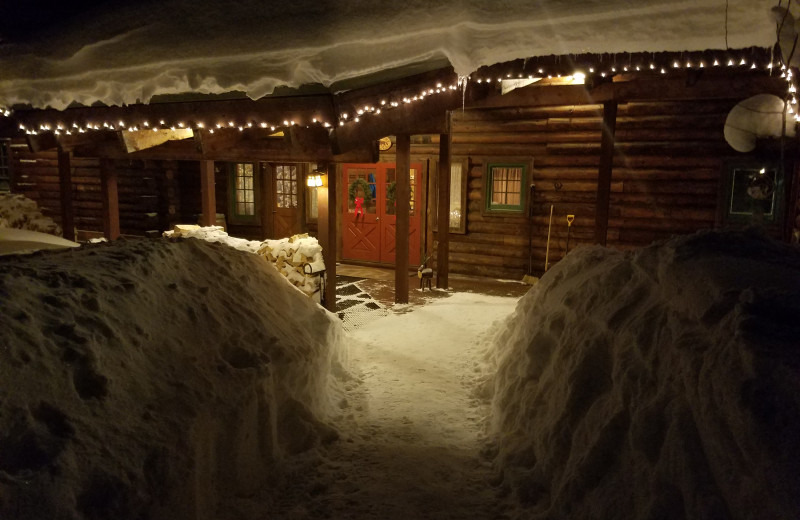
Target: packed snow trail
411	425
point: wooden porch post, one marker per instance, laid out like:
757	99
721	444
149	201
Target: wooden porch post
604	175
443	213
65	187
326	222
207	195
108	185
402	195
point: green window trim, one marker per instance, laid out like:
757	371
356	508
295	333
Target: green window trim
506	186
243	192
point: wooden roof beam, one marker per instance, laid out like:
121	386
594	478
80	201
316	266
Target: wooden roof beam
427	115
273	111
650	89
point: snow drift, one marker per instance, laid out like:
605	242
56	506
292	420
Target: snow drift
657	384
131	51
154	379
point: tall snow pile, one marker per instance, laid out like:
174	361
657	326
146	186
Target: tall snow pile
154	379
657	384
20	212
298	258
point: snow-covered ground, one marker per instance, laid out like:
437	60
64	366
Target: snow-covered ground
158	379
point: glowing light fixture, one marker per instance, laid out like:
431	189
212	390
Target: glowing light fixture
314	179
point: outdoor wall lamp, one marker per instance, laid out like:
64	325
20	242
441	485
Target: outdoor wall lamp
315	179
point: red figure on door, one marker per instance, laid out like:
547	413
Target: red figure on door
359	206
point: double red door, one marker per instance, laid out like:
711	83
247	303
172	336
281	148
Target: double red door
369	218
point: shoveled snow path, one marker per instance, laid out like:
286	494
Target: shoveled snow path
411	426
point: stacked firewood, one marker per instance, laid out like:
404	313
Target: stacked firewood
298	258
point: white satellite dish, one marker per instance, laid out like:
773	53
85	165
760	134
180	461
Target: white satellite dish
757	117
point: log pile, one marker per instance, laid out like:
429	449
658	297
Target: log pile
298	258
20	212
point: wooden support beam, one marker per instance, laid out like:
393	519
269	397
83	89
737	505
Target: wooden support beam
443	214
402	222
65	187
326	222
208	197
96	143
604	175
108	186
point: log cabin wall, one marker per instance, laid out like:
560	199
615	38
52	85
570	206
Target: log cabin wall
149	191
666	178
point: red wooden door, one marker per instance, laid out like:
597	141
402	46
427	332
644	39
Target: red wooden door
369	225
389	218
360	229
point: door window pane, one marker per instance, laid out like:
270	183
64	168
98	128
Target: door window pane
286	185
361	183
244	196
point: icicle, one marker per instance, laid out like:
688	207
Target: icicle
462	81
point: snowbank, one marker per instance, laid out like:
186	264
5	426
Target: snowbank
154	379
661	383
20	212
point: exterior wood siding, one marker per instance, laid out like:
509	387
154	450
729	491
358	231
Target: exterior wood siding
149	191
666	178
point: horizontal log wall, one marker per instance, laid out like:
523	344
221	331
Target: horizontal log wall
665	181
147	190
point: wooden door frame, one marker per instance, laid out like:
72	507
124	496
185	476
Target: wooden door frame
269	195
420	206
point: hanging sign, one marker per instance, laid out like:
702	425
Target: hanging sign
384	144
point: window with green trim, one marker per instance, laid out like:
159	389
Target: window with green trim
506	187
244	194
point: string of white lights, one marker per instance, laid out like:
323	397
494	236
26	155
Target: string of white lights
378	106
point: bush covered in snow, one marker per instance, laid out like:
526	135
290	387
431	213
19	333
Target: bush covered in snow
154	379
20	212
656	384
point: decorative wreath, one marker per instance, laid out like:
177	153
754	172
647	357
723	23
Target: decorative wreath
352	190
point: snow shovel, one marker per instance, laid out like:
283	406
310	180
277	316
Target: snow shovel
570	219
529	278
547	251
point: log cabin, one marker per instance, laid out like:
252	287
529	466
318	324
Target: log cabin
632	149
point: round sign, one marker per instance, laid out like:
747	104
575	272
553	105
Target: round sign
384	144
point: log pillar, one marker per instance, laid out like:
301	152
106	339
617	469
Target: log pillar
402	222
443	214
207	195
604	174
108	186
65	187
326	223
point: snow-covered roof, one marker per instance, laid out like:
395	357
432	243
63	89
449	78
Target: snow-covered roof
128	53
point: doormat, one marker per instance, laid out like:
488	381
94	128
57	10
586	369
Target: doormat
354	306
